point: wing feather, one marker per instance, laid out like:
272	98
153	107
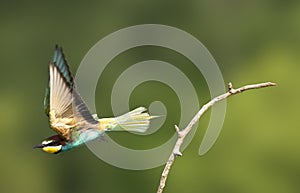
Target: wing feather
60	93
64	106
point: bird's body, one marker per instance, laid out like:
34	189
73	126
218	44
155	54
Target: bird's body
70	117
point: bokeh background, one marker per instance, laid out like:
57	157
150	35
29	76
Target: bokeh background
252	41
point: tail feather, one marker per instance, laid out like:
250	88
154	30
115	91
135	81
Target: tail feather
136	120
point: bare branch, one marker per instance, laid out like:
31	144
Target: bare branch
182	133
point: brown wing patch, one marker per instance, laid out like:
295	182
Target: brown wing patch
62	125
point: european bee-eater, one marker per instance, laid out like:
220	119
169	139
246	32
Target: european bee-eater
70	117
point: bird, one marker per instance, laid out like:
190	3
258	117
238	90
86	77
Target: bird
70	117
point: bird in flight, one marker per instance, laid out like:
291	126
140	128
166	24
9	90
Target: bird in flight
71	119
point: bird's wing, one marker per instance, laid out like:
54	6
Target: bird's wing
63	105
60	63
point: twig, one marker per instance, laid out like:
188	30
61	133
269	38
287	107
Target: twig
182	133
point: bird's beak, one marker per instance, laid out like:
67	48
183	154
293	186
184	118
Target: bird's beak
39	146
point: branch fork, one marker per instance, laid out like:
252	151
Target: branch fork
182	133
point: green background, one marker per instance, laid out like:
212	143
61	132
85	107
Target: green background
252	41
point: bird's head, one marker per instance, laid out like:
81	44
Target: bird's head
52	144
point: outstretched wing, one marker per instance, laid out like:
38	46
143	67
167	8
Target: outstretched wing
61	64
63	105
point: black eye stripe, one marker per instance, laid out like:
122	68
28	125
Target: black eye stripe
53	143
50	144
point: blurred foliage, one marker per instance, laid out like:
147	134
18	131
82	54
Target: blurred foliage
252	41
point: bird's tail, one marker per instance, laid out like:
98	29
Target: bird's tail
136	120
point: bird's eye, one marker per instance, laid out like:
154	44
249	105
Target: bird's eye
48	143
53	143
